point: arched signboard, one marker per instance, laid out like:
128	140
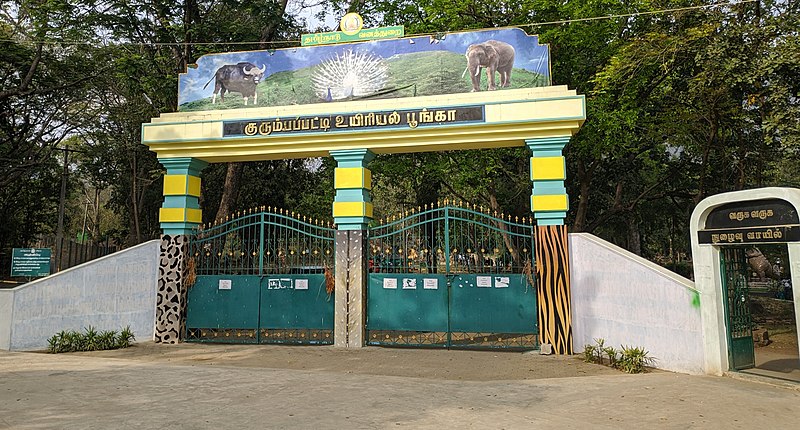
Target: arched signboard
754	221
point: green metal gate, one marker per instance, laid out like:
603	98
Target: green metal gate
741	353
263	277
452	276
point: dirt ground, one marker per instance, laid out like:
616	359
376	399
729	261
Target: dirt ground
434	364
201	386
778	358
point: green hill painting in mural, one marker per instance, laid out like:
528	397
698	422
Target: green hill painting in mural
409	75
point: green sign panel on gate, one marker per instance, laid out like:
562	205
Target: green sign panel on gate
30	262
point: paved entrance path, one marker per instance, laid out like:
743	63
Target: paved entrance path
152	391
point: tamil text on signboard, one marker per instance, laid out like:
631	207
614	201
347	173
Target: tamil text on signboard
30	262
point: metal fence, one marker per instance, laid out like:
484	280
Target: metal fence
72	254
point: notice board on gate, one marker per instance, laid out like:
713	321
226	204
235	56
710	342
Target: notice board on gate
30	262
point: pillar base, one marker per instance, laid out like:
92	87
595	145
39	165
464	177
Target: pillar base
552	288
350	305
171	295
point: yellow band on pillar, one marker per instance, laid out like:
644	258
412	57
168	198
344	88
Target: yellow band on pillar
180	215
352	177
549	202
354	209
548	168
181	185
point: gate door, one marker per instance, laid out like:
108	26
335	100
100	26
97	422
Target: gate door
264	277
741	354
452	276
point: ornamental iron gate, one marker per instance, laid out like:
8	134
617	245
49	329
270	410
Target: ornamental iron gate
452	276
264	277
741	353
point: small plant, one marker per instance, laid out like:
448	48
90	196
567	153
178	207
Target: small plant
611	353
125	338
634	360
598	350
627	359
90	340
588	353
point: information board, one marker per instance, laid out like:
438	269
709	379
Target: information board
30	262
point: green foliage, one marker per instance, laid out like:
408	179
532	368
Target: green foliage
627	359
89	340
633	360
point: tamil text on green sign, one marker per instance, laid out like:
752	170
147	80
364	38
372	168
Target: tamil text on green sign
30	262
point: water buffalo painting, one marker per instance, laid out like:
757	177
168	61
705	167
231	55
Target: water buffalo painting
242	78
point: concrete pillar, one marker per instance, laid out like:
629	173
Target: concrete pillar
352	212
549	203
179	215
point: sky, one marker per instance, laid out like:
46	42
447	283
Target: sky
529	55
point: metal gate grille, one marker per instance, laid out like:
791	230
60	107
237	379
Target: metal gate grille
737	297
263	277
452	276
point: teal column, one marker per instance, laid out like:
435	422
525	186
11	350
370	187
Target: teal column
180	213
352	207
549	201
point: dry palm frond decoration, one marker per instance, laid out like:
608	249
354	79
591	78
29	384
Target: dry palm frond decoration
527	270
191	273
330	281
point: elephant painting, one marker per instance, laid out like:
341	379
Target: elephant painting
494	56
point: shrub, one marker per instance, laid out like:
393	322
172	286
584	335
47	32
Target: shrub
90	340
628	359
634	360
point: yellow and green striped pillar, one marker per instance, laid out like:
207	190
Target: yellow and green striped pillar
550	203
179	215
352	207
352	212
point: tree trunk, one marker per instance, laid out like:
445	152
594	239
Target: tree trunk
135	202
504	231
585	180
230	192
634	236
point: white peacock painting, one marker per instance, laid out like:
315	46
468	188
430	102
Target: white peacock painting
351	74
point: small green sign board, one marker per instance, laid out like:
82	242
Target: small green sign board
393	32
30	262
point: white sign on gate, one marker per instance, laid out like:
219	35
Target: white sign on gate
409	284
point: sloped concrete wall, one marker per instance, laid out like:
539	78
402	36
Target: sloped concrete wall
627	300
109	293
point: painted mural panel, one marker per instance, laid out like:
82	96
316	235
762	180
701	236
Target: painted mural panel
489	60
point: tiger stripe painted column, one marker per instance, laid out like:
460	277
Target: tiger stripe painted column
549	203
352	212
179	215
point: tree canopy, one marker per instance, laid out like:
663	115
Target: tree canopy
682	104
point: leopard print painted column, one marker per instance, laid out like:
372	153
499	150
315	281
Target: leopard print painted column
171	296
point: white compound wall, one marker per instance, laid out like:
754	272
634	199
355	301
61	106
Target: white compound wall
109	293
627	300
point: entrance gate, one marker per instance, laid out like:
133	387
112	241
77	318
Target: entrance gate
263	277
454	277
737	307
